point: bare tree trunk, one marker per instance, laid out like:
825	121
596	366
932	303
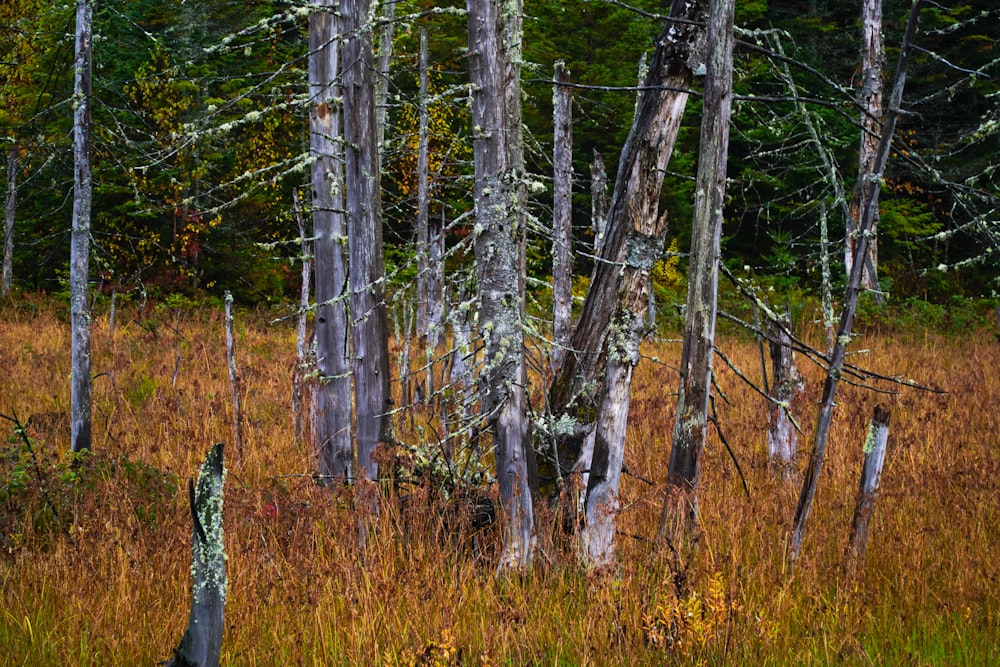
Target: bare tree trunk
871	124
681	502
201	645
640	177
8	235
79	262
370	329
495	34
849	309
234	380
332	419
423	193
562	214
298	375
385	37
871	475
598	204
782	438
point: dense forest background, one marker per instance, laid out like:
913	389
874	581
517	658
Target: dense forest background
200	139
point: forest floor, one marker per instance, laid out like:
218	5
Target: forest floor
95	557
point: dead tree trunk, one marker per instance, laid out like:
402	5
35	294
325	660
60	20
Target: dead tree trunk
681	501
849	309
234	380
332	404
201	645
370	329
8	233
385	36
782	437
562	215
423	195
871	475
301	353
495	33
79	262
870	99
641	169
598	205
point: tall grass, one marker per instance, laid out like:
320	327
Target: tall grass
95	560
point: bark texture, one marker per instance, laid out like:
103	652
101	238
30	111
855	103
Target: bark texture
201	645
870	101
681	501
8	232
495	33
234	380
79	260
370	329
782	438
332	417
301	345
575	389
562	214
871	475
598	203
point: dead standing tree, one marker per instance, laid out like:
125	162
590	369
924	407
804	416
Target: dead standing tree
495	32
575	388
849	309
332	423
681	501
562	214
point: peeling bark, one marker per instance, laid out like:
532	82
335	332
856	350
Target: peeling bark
871	475
782	438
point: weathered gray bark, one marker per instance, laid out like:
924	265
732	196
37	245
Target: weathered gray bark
681	499
234	380
871	475
8	232
562	214
370	329
332	399
598	204
385	36
870	99
79	260
423	196
495	33
641	170
201	645
782	437
298	375
849	309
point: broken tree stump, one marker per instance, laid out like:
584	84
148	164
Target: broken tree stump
782	438
201	645
871	474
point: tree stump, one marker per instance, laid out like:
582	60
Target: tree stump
201	645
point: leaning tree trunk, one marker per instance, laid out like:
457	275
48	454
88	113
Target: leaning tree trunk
332	397
562	214
681	501
8	233
370	330
641	168
79	261
849	309
871	124
201	645
495	33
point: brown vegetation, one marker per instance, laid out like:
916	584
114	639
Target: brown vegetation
94	564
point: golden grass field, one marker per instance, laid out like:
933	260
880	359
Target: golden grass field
95	559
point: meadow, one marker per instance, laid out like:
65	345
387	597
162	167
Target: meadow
95	557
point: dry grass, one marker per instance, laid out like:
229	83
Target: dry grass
104	579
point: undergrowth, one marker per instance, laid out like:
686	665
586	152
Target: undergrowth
95	550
